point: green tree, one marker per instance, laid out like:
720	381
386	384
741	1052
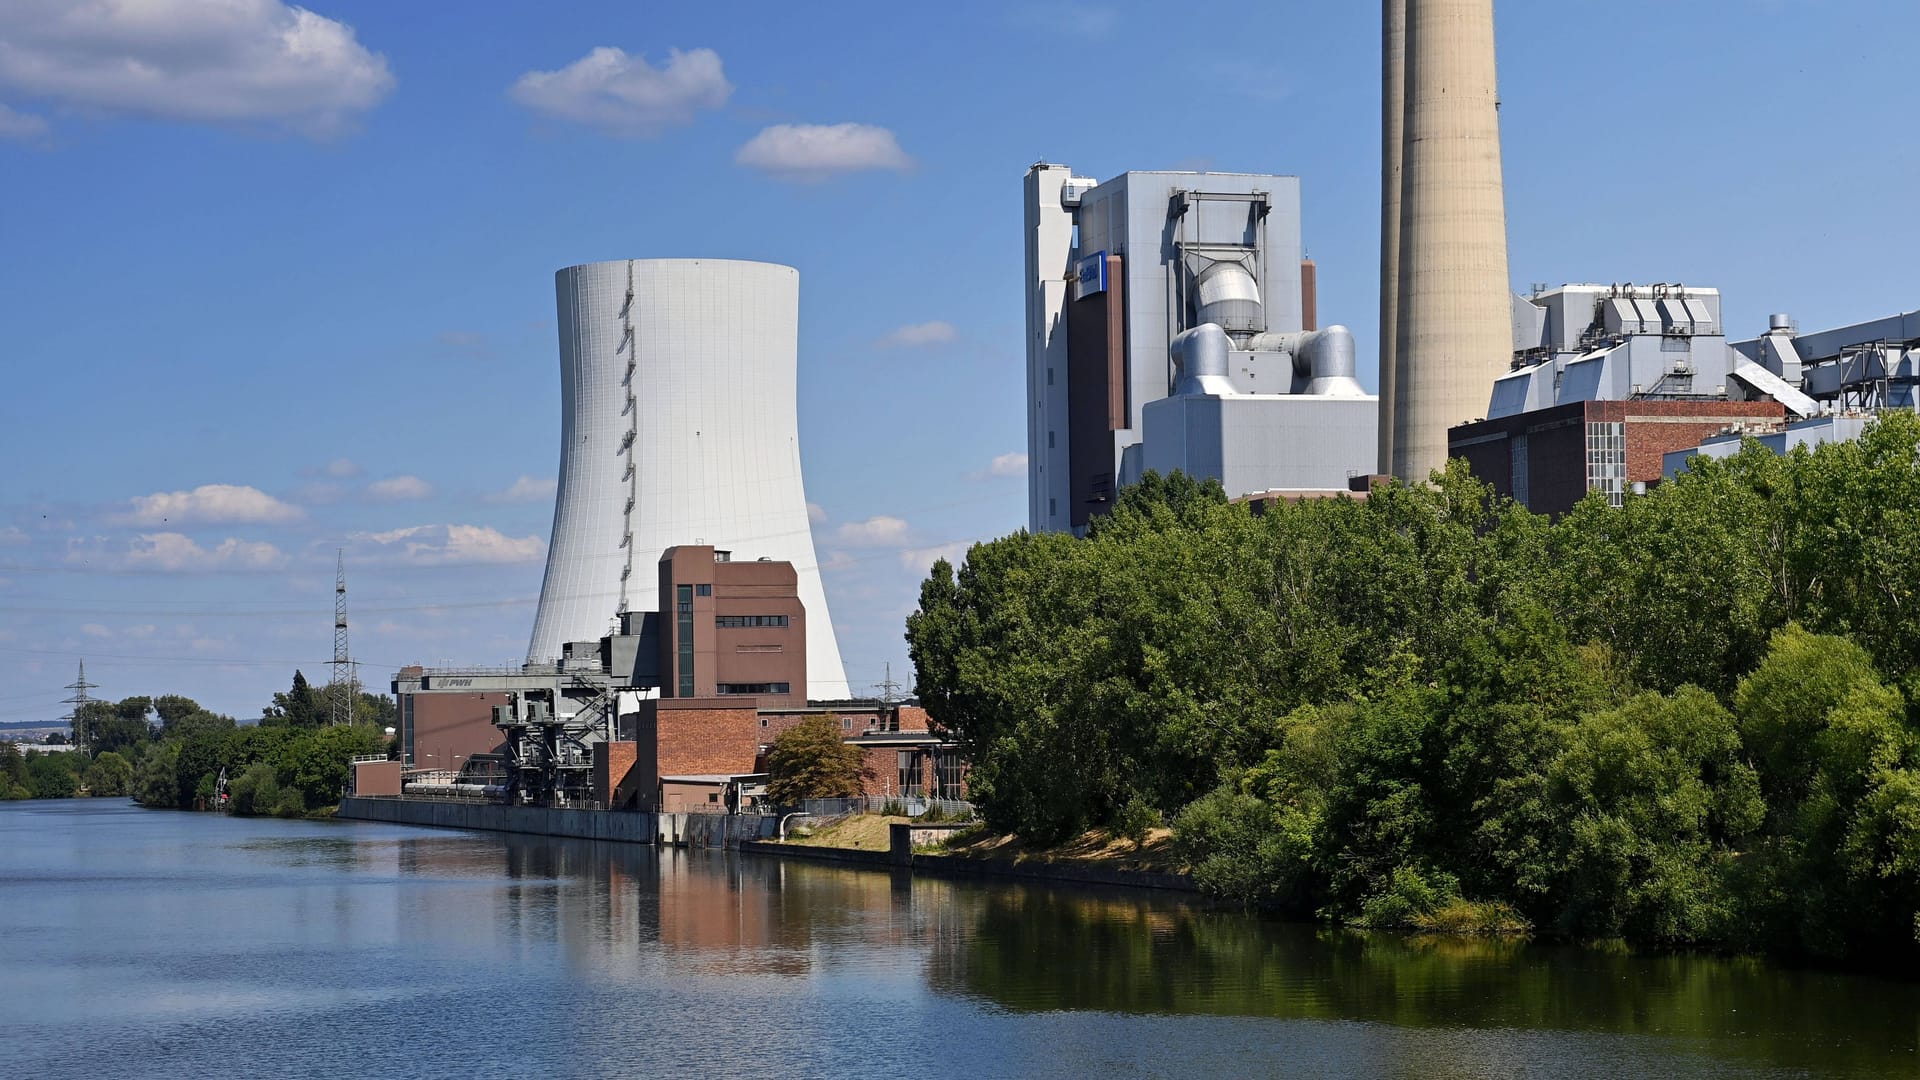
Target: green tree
300	707
109	775
314	764
255	791
51	777
154	782
812	760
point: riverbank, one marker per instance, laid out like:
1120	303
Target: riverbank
959	851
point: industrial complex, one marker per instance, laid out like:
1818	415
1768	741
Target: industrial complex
1172	323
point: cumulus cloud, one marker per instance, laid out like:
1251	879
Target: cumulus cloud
18	125
624	95
221	504
877	531
525	489
920	560
808	152
400	488
173	552
815	514
1014	464
439	545
918	334
237	61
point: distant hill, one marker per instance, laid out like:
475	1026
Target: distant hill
32	725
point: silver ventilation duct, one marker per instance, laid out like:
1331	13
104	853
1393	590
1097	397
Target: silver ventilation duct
1200	354
1323	360
1226	295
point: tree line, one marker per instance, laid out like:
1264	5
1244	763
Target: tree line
169	752
1693	719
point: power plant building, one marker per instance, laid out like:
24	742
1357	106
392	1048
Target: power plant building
1167	329
678	427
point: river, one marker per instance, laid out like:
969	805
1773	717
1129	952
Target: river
165	944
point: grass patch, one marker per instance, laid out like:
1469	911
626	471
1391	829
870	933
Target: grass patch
856	832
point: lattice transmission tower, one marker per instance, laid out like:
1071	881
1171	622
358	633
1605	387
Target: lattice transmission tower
345	688
80	698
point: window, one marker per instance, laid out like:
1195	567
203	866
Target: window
1051	510
754	688
1049	440
846	723
1607	460
684	634
713	796
737	621
1049	376
703	590
909	762
947	773
1517	462
763	721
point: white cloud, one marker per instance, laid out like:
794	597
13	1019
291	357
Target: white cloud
919	334
175	552
212	503
235	61
142	632
808	152
341	469
1014	464
625	95
1072	19
18	125
437	545
878	531
920	560
400	488
14	536
815	514
95	630
525	489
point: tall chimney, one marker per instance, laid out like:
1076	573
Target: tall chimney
1454	331
1309	295
1393	59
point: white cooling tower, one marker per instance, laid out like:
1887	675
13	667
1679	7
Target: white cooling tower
678	426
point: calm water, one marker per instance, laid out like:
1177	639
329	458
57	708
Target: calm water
168	944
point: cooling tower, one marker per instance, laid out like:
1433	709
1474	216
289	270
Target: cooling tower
1393	59
1454	330
678	425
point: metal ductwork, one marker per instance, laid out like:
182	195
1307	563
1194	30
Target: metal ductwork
1200	354
1226	295
1323	360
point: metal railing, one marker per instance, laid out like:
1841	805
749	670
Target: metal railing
902	805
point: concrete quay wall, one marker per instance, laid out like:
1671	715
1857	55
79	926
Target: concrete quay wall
620	826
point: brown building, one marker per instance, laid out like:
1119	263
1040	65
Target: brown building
443	720
731	629
1548	459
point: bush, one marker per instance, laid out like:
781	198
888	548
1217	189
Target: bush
290	804
1136	820
256	791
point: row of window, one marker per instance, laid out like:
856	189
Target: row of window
753	688
749	620
947	773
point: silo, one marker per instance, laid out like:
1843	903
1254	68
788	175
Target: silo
678	425
1454	334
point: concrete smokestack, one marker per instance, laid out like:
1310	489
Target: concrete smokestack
1453	335
1393	59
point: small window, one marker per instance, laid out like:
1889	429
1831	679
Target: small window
703	590
846	723
1049	376
713	796
763	721
1049	440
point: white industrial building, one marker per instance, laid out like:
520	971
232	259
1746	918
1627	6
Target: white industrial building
1170	326
678	426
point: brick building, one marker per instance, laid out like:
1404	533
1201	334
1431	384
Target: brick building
1548	459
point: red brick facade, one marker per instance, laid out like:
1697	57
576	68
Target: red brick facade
1555	443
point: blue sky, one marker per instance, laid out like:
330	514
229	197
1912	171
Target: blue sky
259	302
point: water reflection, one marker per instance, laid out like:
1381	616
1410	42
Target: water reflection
170	943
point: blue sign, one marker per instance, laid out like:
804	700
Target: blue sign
1090	276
